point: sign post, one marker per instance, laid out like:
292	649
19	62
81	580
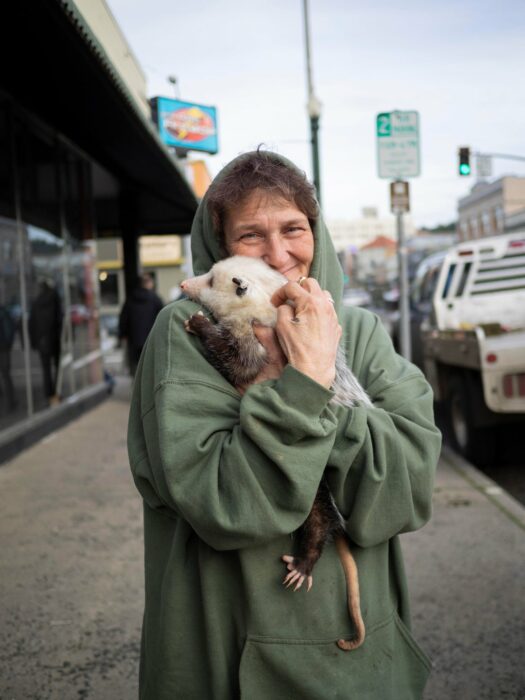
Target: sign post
398	158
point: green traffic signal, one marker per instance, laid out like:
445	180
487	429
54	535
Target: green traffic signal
464	161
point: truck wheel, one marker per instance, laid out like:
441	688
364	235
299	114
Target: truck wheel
475	443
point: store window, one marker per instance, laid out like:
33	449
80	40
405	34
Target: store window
13	394
82	287
109	288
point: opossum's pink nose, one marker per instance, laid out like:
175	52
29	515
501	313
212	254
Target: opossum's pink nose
183	284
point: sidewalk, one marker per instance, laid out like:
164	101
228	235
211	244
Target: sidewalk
71	580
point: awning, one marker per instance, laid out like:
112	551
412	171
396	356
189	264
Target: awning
53	65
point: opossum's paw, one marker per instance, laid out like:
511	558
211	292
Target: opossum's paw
299	571
197	323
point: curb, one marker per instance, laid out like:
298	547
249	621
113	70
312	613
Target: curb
514	510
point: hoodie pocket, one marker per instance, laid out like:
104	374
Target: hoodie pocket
388	666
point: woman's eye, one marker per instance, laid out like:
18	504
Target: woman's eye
248	236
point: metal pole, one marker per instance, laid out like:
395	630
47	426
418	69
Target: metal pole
314	106
314	128
404	308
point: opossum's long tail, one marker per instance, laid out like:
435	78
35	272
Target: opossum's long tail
352	586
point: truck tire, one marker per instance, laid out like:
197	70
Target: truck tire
476	443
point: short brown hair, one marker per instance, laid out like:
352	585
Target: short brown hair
260	170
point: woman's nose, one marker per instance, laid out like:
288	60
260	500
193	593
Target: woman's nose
275	254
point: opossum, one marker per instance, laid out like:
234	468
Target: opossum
237	291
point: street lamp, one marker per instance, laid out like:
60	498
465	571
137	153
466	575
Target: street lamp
313	107
173	80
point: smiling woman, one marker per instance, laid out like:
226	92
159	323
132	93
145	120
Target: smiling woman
228	473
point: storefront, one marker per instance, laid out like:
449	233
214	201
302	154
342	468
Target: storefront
78	161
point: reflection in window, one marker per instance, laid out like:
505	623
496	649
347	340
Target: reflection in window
82	287
108	282
13	396
45	289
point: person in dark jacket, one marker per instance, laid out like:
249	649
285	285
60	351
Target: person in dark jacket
137	318
45	328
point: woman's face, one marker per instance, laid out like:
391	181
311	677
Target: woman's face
273	229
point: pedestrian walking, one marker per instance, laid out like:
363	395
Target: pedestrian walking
228	474
137	317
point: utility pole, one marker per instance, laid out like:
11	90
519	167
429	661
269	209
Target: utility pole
405	344
313	107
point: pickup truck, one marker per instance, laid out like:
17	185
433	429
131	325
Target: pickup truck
473	341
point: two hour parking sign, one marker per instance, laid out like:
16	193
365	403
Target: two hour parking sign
398	145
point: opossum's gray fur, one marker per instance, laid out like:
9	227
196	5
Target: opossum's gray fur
237	290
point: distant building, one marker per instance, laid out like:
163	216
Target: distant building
492	208
377	262
355	233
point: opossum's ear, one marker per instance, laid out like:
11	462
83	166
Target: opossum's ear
241	285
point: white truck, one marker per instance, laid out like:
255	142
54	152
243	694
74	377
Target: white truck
474	341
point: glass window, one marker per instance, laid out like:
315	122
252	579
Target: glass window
82	278
45	289
13	394
13	397
448	282
108	281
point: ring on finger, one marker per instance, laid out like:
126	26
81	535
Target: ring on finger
301	280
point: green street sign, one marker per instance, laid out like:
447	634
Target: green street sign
398	145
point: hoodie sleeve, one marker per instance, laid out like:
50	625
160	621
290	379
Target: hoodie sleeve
381	468
239	470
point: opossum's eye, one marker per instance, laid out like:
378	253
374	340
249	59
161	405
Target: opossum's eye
241	285
211	281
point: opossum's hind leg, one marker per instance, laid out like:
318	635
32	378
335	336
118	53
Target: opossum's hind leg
352	585
298	572
311	538
220	346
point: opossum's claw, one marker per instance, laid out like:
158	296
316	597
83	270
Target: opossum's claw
297	574
187	327
300	582
292	578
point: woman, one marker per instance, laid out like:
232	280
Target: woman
228	474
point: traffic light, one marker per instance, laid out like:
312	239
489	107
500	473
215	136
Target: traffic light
464	161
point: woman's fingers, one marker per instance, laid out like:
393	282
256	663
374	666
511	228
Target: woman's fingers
291	291
308	328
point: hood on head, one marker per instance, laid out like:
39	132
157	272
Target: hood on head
206	248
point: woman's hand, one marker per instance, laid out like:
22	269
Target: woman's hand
308	330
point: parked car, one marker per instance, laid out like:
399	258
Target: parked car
420	303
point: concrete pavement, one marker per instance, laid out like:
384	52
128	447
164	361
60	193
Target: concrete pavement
71	581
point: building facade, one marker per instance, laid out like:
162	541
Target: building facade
79	161
491	208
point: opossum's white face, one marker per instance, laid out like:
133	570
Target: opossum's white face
237	290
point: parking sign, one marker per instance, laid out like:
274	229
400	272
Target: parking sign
398	145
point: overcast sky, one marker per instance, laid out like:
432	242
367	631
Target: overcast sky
459	63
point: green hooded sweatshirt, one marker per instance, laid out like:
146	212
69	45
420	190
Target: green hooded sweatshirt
226	479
